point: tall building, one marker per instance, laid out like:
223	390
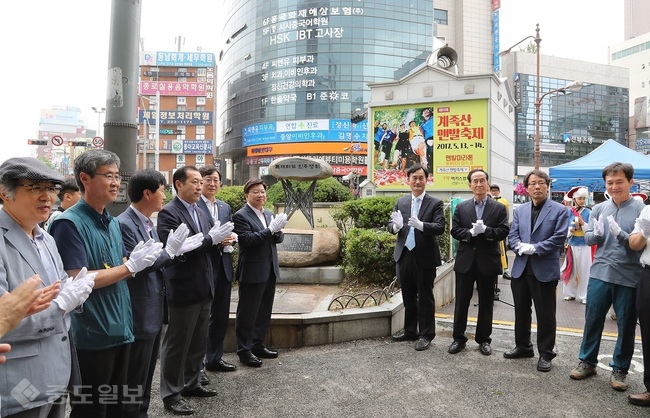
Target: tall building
291	73
572	123
636	18
62	136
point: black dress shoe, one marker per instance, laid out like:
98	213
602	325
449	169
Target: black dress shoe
422	344
456	347
221	366
519	353
265	352
249	359
544	365
403	336
203	378
180	407
199	392
485	349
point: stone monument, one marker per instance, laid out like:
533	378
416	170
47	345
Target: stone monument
304	247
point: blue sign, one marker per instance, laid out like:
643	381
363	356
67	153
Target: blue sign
197	146
335	130
177	59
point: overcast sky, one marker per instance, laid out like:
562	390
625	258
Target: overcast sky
56	52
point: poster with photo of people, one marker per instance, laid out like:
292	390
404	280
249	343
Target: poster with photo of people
448	138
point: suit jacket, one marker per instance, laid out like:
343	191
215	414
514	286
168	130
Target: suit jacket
219	258
483	248
258	255
192	281
431	213
40	347
547	236
147	288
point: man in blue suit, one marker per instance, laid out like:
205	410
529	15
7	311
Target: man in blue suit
146	191
537	235
220	211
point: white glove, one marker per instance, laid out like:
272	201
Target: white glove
230	248
76	291
414	222
613	226
191	244
477	228
528	249
599	227
143	255
278	222
397	219
643	224
218	232
175	240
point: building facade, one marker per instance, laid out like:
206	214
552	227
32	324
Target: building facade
291	73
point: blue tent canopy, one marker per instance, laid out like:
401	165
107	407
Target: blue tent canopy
588	170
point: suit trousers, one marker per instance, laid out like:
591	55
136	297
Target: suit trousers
254	313
55	409
101	369
643	310
527	290
464	291
218	319
183	349
417	295
142	363
600	296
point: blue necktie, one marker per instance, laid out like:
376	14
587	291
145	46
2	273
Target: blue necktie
410	239
195	217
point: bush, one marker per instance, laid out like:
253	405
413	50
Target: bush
369	256
327	190
369	213
232	195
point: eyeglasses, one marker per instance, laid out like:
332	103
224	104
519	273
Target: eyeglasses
110	177
39	189
537	183
211	180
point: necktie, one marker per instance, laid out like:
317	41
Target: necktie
410	238
195	217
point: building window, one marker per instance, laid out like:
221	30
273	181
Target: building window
181	101
201	72
200	101
181	132
200	129
440	16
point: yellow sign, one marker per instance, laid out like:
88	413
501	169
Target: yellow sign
448	138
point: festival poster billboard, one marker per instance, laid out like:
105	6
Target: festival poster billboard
449	138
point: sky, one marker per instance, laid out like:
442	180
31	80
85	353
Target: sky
56	52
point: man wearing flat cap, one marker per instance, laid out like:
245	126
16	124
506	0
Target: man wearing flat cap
88	235
28	189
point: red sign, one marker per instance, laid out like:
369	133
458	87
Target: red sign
57	140
98	142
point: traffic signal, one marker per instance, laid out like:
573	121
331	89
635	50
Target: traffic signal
36	142
77	143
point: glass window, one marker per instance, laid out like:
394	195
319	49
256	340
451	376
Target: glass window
440	16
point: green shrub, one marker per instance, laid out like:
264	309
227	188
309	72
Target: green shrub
232	195
369	213
369	256
327	190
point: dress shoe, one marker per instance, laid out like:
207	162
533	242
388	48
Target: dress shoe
506	275
544	365
180	407
265	352
640	399
403	336
485	349
422	344
221	366
456	347
518	353
249	359
203	378
199	391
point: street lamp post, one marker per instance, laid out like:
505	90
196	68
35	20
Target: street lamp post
99	117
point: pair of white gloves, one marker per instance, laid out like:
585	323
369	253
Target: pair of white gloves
278	222
525	248
599	226
478	227
398	220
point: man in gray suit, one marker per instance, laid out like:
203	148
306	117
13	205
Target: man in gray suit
417	219
146	191
38	368
537	235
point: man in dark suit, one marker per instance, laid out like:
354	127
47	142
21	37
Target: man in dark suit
189	288
146	191
257	271
479	224
537	235
417	219
218	210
